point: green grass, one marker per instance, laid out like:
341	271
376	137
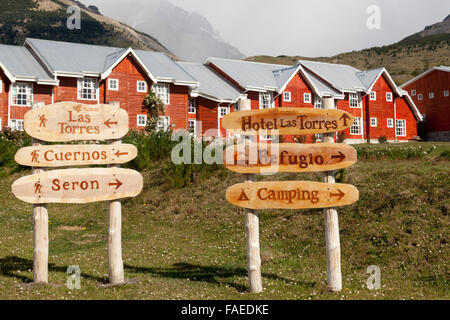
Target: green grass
189	243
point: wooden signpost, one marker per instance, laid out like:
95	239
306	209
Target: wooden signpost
288	121
289	157
74	155
250	158
70	121
291	195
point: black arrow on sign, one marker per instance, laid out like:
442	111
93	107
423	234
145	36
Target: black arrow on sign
117	184
345	117
339	156
340	194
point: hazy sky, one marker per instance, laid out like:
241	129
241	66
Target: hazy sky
305	27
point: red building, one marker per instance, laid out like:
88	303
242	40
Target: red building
430	92
380	108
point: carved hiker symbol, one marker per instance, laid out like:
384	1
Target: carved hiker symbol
34	156
43	121
37	187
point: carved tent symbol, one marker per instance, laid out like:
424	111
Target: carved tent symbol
243	196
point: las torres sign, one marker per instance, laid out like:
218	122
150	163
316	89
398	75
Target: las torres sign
289	121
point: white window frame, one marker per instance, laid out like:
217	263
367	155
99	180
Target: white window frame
317	102
266	100
413	92
140	117
354	100
192	106
319	137
389	96
402	127
373	96
390	122
420	96
194	121
287	97
19	86
163	123
306	97
113	87
139	88
431	95
445	93
373	122
93	87
16	124
162	90
355	128
223	114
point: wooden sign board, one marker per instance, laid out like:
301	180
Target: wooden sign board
291	195
78	185
74	155
69	121
288	157
289	121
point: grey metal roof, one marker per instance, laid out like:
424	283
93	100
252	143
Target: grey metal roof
20	63
250	74
73	57
340	76
162	67
210	83
368	77
321	86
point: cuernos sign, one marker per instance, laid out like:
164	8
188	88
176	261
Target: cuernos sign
69	121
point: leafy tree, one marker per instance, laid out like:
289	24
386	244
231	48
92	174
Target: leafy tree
155	107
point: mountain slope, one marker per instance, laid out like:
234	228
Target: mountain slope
187	34
46	19
404	59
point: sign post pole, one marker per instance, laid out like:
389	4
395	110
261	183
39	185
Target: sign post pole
333	247
115	262
253	251
40	232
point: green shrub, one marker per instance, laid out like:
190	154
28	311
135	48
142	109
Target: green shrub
382	139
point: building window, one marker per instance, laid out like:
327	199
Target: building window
373	95
113	84
389	96
223	111
307	97
431	95
87	89
265	100
162	91
445	93
355	128
400	128
317	102
390	123
22	94
141	86
413	92
141	120
419	96
373	122
319	136
163	123
192	123
16	124
191	108
355	100
287	96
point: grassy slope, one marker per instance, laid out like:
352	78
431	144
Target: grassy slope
403	60
190	243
